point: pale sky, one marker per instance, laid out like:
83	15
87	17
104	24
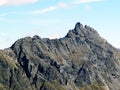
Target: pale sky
54	18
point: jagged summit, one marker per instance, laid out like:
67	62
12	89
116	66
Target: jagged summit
82	60
78	26
85	32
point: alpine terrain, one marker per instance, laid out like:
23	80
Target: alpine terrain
82	60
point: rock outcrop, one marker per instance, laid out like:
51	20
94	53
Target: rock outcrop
82	60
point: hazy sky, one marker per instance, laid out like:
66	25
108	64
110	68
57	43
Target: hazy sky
54	18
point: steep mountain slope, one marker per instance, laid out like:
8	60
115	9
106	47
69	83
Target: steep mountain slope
82	60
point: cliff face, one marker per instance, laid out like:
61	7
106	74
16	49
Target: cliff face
82	60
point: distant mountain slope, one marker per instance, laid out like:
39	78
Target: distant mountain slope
82	60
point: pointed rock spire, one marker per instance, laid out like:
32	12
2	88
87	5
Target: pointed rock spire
78	26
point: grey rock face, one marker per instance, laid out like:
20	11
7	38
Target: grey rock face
79	61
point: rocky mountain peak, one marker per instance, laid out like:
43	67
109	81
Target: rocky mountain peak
83	32
36	37
82	60
78	26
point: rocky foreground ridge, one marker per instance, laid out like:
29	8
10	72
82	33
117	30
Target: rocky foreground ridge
82	60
